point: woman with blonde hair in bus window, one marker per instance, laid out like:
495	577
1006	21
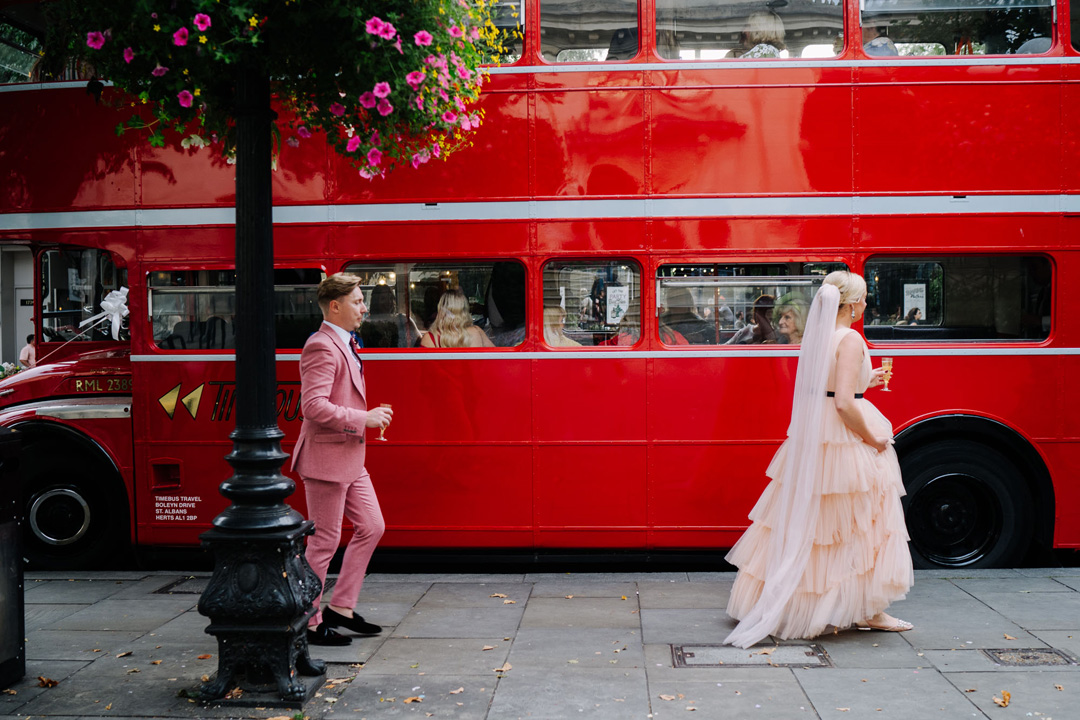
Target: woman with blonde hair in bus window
453	326
764	35
828	543
554	333
790	317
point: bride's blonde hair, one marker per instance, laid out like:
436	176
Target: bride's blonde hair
453	320
852	287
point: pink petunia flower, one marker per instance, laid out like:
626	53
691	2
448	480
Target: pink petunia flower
180	37
95	40
474	33
337	109
381	90
436	150
375	138
185	97
423	38
415	79
397	46
385	108
292	142
353	144
449	116
387	31
374	26
366	174
368	100
459	104
419	102
202	21
464	73
374	156
303	132
455	31
129	55
159	71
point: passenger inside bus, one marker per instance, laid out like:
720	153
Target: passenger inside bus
682	317
790	317
385	327
877	43
505	304
763	37
453	325
760	330
554	328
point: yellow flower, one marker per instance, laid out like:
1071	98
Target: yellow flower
185	71
202	39
197	92
253	21
157	28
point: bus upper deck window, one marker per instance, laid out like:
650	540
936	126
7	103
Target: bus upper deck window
695	30
575	31
956	27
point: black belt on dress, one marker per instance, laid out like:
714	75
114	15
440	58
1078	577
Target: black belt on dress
830	393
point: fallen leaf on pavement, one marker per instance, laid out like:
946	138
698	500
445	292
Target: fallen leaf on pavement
498	595
568	597
766	651
843	709
458	691
109	706
155	662
234	694
971	690
9	691
280	717
124	654
414	698
134	670
204	657
667	697
691	708
509	602
505	668
1008	636
623	597
46	682
1004	700
1059	687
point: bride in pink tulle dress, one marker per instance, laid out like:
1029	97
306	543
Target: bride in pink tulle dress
828	544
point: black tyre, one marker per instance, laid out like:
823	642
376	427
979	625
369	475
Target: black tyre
75	513
966	506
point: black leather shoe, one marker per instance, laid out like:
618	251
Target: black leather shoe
324	635
332	618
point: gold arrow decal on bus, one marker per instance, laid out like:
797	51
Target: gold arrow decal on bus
168	400
191	400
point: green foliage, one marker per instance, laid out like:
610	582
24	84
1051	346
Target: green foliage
364	73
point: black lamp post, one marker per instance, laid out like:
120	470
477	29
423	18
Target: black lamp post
260	596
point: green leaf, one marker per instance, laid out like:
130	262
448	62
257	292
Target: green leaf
157	140
119	129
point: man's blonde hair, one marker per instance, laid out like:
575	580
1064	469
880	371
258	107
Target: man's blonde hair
335	287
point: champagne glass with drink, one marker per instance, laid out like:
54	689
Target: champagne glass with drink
382	430
886	365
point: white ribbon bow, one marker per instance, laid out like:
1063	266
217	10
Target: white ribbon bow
113	306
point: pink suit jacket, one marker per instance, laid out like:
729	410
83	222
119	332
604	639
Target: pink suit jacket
333	400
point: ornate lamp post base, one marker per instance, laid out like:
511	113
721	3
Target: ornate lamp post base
259	601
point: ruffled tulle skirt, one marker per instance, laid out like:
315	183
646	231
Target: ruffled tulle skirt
859	563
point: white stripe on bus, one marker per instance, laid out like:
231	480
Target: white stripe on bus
531	210
634	355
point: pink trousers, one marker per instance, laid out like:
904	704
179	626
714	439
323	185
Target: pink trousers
328	503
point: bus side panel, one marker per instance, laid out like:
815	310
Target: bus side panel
994	129
1063	462
751	234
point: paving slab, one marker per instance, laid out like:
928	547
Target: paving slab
685	626
1073	583
474	594
1018	584
701	594
867	649
582	612
71	591
444	656
561	694
777	696
445	578
568	648
126	615
81	645
466	697
29	686
1031	693
966	661
609	577
560	588
1036	610
438	622
1050	572
1067	640
38	616
393	592
385	614
968	622
842	694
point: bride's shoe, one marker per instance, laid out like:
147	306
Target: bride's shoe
886	623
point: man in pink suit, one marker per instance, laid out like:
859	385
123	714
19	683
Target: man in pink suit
329	456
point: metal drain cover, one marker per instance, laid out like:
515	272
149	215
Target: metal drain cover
786	656
1028	657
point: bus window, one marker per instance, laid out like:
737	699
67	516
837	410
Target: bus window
403	299
956	27
736	304
574	31
694	30
196	309
958	298
589	303
20	50
73	284
509	18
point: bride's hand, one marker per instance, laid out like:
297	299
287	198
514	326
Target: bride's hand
877	377
879	443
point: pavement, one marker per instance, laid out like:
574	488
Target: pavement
569	645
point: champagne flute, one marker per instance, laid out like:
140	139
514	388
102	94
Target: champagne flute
886	365
382	430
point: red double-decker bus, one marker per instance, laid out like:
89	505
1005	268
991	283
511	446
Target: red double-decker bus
656	193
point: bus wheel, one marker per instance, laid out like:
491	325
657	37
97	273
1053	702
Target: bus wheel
966	506
72	518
